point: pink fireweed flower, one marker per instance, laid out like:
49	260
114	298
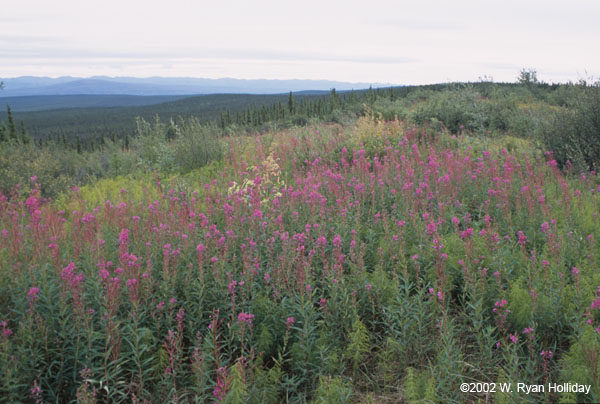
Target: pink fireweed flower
103	274
528	331
337	241
33	294
267	278
545	227
322	241
124	237
514	338
131	283
68	271
289	323
231	287
6	332
180	315
501	303
522	238
308	288
160	305
36	392
467	233
245	318
219	391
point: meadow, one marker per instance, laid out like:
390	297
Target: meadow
377	262
382	246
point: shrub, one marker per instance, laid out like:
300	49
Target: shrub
196	146
574	134
459	107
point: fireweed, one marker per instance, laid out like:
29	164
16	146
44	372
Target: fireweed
338	254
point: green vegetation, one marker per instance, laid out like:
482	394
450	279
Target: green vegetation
52	102
420	238
117	122
72	147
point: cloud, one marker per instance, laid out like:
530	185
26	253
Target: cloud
18	40
420	24
25	53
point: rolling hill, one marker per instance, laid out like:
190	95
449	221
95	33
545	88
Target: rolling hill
101	85
30	103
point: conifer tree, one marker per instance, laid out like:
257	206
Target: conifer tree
333	99
12	129
370	95
291	103
3	131
25	138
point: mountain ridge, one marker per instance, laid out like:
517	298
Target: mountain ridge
162	86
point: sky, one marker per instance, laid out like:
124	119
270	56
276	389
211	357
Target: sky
396	42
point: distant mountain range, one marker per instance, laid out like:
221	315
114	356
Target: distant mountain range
162	86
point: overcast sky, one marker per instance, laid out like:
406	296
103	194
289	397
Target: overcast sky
400	42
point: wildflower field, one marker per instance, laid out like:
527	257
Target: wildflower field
376	263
